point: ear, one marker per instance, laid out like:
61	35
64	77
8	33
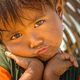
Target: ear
59	8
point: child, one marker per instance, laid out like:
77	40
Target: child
32	31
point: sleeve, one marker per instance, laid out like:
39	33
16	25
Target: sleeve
4	74
4	65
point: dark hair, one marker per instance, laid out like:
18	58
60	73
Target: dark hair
12	9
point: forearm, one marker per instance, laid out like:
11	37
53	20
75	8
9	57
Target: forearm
49	75
26	76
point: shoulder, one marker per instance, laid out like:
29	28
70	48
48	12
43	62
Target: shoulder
4	74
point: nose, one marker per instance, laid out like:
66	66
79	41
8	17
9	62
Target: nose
35	42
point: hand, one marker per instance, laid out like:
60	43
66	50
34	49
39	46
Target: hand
32	67
33	72
58	65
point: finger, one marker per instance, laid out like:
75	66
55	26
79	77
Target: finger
66	63
12	56
71	58
65	56
74	61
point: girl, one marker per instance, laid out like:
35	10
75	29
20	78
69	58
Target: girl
31	30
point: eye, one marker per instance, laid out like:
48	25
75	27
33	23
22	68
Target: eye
16	35
39	23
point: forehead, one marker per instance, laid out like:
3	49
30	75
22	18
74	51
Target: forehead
32	14
26	15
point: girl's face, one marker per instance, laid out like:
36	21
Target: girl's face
40	37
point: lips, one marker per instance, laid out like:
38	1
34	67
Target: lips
42	50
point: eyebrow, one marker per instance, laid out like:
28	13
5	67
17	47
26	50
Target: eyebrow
4	30
33	18
38	17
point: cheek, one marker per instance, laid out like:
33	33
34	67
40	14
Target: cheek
55	32
13	48
57	35
16	48
20	49
53	36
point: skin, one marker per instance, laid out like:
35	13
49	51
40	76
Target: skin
31	38
42	30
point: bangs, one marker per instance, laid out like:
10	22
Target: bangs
11	10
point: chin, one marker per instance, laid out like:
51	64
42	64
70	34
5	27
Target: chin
46	58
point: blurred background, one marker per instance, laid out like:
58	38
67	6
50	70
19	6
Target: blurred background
71	18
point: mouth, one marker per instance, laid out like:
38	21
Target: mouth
42	50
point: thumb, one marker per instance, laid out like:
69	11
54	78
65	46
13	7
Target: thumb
10	55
